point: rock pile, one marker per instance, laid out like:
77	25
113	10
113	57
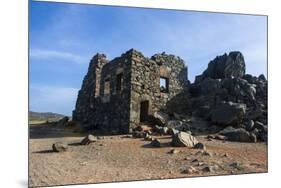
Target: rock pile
224	95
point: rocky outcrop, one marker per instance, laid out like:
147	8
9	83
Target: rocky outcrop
226	66
224	95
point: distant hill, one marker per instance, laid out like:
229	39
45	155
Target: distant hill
44	116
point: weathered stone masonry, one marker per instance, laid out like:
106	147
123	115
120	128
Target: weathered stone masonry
117	95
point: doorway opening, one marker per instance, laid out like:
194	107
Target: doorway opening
144	105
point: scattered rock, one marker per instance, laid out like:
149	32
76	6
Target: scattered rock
155	143
174	151
200	152
190	170
127	136
148	137
225	155
83	163
200	164
220	137
199	145
183	139
161	130
210	137
207	153
142	128
88	139
59	147
138	134
211	168
236	165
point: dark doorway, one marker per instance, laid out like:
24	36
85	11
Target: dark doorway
144	111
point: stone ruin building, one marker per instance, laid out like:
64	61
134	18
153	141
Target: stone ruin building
117	95
131	90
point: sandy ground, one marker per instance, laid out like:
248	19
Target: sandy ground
118	158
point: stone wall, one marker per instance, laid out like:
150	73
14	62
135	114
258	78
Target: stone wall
146	74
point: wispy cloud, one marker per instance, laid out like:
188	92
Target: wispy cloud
53	99
51	54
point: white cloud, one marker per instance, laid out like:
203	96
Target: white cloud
52	99
51	54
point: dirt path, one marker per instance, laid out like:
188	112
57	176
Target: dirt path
115	158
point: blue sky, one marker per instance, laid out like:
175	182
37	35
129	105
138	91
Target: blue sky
64	37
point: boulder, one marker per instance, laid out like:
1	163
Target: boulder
262	78
253	137
209	86
210	168
179	125
228	113
249	125
160	118
202	111
183	139
161	130
190	170
255	113
155	143
239	88
226	66
172	131
138	134
88	139
199	145
59	147
238	135
260	126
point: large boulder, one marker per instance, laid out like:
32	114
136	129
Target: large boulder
183	139
209	86
226	66
238	135
239	88
160	118
178	125
228	113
